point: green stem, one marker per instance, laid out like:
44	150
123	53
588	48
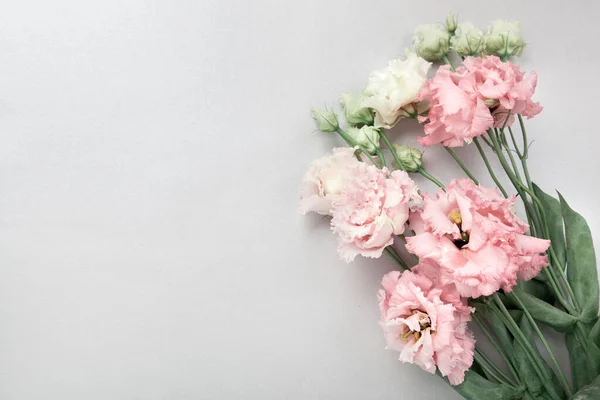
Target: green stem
555	260
496	345
502	376
521	189
447	61
352	143
530	352
392	252
489	167
561	375
431	178
387	142
510	155
498	375
512	137
461	164
524	132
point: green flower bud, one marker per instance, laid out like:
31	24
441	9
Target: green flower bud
451	24
326	120
354	113
410	157
469	41
367	137
432	42
503	39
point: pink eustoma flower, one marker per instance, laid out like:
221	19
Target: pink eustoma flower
475	239
478	96
371	209
427	324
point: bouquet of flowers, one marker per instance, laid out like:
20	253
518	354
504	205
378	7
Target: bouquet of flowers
470	260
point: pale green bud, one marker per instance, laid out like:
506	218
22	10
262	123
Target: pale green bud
367	137
410	157
451	24
326	120
354	112
503	39
468	41
432	42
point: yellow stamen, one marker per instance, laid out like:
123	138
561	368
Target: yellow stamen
455	217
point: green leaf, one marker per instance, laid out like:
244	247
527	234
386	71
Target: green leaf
545	313
555	223
594	345
589	392
583	370
497	327
538	289
581	262
528	371
476	387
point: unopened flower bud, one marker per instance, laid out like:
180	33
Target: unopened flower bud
468	41
432	42
354	112
326	120
410	157
451	23
504	39
367	137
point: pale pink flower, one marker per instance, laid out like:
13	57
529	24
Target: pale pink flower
474	236
371	209
325	179
427	324
478	96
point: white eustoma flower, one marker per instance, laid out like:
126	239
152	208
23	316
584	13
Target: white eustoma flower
504	39
354	111
397	86
469	41
432	42
367	137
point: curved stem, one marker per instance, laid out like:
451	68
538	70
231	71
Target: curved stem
461	164
524	132
447	61
489	167
497	346
561	375
521	189
352	143
387	142
431	178
497	374
524	342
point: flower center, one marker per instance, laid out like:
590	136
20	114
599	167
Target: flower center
424	324
455	217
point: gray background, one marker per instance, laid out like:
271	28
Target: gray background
150	156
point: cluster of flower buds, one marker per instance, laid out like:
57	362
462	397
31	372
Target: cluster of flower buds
434	42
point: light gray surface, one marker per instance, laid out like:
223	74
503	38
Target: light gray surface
150	155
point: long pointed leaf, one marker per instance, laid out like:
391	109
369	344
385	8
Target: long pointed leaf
527	370
583	370
581	262
545	313
476	387
555	223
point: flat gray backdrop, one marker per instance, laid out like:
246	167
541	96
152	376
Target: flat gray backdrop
150	156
